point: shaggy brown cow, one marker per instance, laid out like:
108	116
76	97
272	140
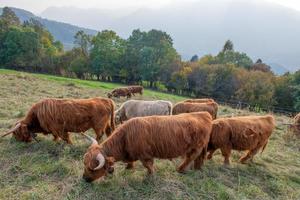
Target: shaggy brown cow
183	107
204	100
134	89
146	138
120	92
61	116
240	133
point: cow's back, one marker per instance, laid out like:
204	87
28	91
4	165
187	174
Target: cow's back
166	136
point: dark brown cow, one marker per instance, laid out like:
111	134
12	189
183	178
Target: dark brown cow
134	89
120	92
204	100
249	133
61	116
146	138
185	107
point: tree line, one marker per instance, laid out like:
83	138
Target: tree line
147	58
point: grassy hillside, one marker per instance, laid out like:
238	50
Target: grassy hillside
48	170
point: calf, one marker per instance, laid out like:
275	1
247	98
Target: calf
61	116
185	107
139	108
146	138
249	133
134	89
120	92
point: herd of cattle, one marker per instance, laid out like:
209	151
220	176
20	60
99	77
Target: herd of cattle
146	130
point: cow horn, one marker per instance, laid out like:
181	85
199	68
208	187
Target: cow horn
101	161
90	138
12	130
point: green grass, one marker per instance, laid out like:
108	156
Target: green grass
49	170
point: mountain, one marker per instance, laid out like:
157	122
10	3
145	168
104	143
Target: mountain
261	29
61	31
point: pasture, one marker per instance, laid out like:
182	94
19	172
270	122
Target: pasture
49	170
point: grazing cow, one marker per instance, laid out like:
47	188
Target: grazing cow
139	108
120	92
61	116
204	100
136	89
240	133
183	107
146	138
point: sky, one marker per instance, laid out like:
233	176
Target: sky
38	6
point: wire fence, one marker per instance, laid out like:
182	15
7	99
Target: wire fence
238	104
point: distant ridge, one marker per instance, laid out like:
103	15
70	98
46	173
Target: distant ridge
63	32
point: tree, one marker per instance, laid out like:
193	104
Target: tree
20	48
260	66
228	46
194	58
83	41
106	54
9	18
284	91
296	89
149	56
256	87
79	66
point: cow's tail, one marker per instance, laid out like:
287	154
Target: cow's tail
263	148
112	116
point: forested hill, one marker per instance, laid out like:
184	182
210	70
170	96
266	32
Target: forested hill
61	31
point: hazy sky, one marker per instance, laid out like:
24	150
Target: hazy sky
38	6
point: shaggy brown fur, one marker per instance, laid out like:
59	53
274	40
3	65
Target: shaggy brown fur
182	107
146	138
61	116
204	100
134	89
120	92
249	133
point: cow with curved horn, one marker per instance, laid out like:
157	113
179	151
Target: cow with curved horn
146	138
61	116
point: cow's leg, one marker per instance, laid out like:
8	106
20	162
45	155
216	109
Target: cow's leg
200	159
210	155
108	130
189	157
99	133
55	137
226	151
149	165
130	165
250	154
66	138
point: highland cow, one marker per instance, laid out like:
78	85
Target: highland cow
185	107
146	138
61	116
134	89
120	92
139	108
249	133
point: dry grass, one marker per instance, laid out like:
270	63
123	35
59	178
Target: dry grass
48	170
